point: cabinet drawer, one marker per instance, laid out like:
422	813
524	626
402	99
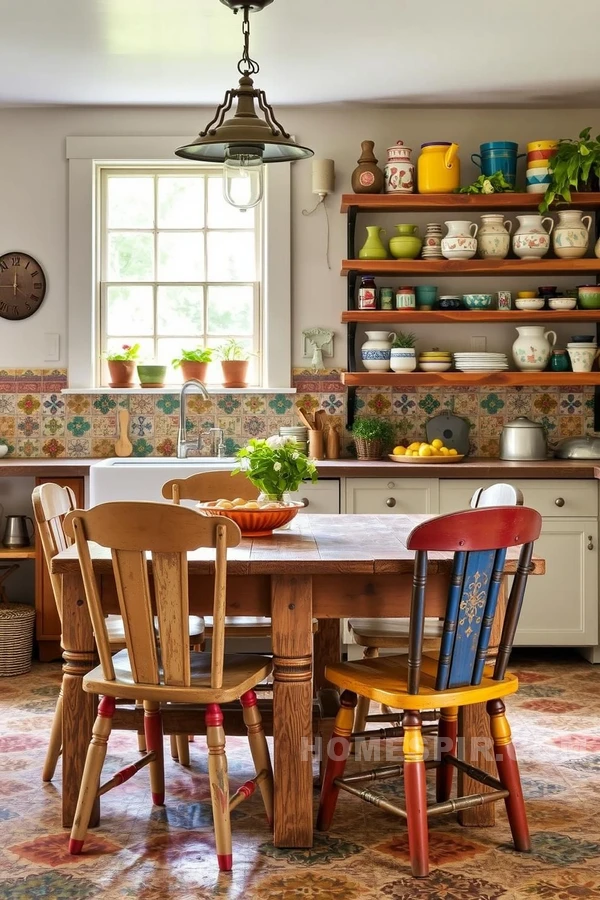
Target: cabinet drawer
551	498
395	495
322	497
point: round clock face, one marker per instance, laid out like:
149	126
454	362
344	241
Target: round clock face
22	285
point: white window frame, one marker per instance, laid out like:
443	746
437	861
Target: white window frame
86	156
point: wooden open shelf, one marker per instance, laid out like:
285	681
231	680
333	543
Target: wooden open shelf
415	267
465	316
458	202
477	379
17	553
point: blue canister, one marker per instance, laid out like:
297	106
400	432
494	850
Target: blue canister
498	156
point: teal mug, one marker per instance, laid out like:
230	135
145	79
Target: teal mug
426	296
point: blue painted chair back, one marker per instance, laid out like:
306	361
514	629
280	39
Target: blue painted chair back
479	539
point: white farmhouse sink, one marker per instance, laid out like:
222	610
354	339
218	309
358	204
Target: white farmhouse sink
142	478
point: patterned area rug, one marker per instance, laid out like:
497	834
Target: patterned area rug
156	854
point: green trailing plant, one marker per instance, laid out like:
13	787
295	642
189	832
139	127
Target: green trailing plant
199	355
127	353
233	350
488	184
275	465
574	165
373	428
404	339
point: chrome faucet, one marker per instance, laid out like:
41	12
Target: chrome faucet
193	448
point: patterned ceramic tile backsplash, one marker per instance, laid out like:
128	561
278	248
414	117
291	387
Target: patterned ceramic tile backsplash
36	420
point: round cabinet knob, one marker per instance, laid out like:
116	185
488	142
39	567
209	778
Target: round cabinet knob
559	501
391	484
304	501
590	542
391	502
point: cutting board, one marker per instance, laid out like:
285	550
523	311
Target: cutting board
123	446
450	429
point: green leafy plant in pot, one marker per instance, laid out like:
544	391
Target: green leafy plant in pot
234	363
373	436
121	365
575	165
194	363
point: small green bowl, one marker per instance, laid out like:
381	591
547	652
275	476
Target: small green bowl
152	376
588	296
477	301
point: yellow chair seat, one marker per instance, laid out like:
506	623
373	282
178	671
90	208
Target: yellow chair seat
384	680
241	673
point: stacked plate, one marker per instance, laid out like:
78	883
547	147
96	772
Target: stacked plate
435	361
481	362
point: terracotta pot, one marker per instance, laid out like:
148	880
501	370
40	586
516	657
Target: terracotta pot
121	372
194	370
235	373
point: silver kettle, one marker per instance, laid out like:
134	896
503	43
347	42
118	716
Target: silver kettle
523	439
16	533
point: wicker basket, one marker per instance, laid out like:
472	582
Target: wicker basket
368	449
16	638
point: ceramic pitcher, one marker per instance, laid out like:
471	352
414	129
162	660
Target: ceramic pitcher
532	349
531	240
493	238
375	352
373	247
399	172
571	236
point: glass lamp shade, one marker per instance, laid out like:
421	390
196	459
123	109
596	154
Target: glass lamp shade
243	177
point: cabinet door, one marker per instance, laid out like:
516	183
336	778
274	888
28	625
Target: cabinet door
571	499
561	607
47	623
322	497
397	496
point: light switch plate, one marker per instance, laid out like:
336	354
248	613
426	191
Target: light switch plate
51	346
478	344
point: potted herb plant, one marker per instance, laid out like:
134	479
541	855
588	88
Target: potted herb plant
372	437
194	363
575	165
234	363
121	365
402	355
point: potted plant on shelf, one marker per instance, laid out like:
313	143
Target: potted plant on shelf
152	375
276	466
372	437
575	165
121	365
194	363
402	355
234	363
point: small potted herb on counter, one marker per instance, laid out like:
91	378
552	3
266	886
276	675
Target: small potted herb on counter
574	166
373	436
121	365
234	363
194	363
402	355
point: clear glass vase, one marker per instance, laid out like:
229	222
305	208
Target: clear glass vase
284	497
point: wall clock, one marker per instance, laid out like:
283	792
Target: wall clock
22	285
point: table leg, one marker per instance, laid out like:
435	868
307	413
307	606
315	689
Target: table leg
291	613
78	707
327	650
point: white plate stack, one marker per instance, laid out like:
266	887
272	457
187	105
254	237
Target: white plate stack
480	362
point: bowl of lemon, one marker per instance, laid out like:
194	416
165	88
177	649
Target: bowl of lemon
422	452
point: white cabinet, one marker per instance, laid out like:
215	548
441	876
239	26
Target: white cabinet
384	495
320	498
561	607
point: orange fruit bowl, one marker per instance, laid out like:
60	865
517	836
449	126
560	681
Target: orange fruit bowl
255	522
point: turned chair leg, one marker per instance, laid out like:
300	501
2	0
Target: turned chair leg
447	734
141	736
183	749
154	741
362	708
55	743
174	749
508	772
259	749
415	789
338	749
90	782
219	785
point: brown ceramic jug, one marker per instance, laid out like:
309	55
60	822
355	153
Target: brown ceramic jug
367	178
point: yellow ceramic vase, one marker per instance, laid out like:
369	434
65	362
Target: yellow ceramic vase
438	168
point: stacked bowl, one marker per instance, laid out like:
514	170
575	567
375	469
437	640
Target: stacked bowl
539	175
435	361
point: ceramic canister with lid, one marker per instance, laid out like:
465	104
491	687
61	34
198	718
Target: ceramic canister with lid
405	298
399	172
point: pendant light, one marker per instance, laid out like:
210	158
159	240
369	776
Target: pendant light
245	142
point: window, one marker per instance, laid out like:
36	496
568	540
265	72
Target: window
179	267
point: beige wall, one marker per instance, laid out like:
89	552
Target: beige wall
33	192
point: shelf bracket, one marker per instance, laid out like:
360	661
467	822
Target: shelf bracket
351	230
597	388
350	406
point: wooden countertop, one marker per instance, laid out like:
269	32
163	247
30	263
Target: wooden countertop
352	468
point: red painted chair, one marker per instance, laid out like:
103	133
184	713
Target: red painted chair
452	677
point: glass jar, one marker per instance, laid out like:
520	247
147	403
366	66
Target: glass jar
386	298
405	298
367	293
559	361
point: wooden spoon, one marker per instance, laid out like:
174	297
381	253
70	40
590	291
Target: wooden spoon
123	446
305	417
320	419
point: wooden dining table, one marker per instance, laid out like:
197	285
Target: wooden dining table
326	567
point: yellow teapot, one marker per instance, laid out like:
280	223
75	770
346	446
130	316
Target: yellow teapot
438	168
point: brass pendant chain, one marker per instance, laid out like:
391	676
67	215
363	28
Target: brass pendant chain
247	65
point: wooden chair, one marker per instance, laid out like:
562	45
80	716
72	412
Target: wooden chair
378	634
164	673
449	679
51	503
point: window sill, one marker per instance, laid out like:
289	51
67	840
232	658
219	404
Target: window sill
176	388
